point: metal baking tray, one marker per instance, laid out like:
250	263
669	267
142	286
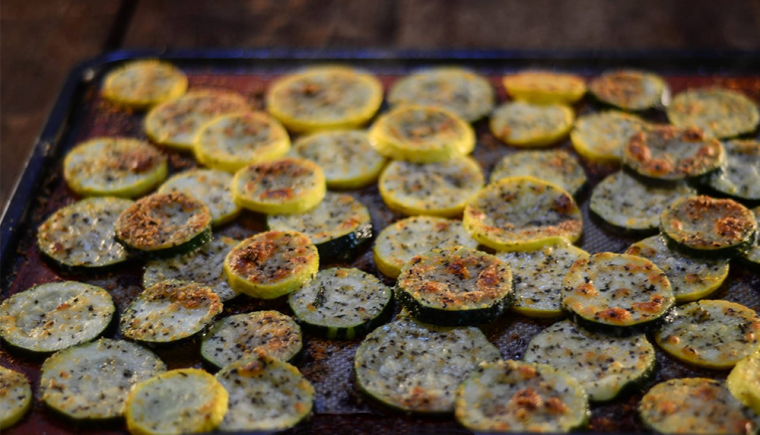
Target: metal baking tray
80	113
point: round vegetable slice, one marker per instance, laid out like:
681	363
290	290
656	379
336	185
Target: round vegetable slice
538	277
617	293
213	188
600	137
415	367
521	123
711	334
605	366
170	311
287	185
630	89
522	213
435	189
513	396
241	335
545	87
740	179
722	113
265	394
114	166
91	382
422	134
15	397
271	264
555	166
54	316
144	83
752	256
744	383
176	402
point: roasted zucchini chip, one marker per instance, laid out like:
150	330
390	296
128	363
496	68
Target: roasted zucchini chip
54	316
422	134
234	141
740	179
341	303
417	368
605	366
15	397
458	90
545	87
706	226
347	158
600	137
144	83
513	396
632	206
711	334
337	226
272	264
722	113
521	123
521	214
283	186
176	123
694	406
538	277
555	166
163	225
434	189
752	256
630	89
91	382
617	293
213	188
169	311
744	383
266	394
114	166
323	98
176	402
236	337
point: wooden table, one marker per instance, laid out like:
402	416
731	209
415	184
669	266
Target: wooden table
40	40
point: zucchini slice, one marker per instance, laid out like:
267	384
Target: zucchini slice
337	226
632	206
347	158
81	235
630	89
744	383
236	337
455	286
722	113
402	240
740	179
617	293
91	382
711	334
545	87
417	368
54	316
15	397
176	402
555	166
176	123
458	90
205	266
341	303
283	186
521	123
170	311
324	98
706	226
694	406
144	83
513	396
521	214
213	188
605	366
752	256
266	394
272	264
163	225
421	134
434	189
234	141
114	166
538	277
691	278
665	152
600	137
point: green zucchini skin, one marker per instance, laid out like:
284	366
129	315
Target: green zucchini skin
345	248
751	258
191	245
439	317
